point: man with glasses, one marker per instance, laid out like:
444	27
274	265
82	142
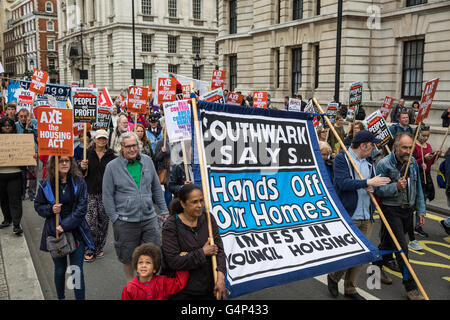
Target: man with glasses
129	184
114	136
28	125
354	195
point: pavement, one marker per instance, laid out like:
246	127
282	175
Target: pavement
18	276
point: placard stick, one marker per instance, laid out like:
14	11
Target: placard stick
423	161
57	190
84	141
387	149
372	197
135	121
443	141
183	150
204	178
412	150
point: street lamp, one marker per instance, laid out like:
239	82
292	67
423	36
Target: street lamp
197	60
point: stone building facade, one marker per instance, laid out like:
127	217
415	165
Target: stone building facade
289	46
30	38
168	35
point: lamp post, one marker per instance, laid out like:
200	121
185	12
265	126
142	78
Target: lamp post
197	61
134	43
82	52
337	78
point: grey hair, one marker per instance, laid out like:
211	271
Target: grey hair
399	136
127	135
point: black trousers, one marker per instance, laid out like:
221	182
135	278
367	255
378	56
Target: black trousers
11	197
400	221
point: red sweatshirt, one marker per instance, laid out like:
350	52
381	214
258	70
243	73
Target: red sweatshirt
159	288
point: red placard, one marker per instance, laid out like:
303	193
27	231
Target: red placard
186	91
122	102
55	132
386	107
167	89
137	99
427	99
218	79
260	99
39	81
78	128
150	92
235	98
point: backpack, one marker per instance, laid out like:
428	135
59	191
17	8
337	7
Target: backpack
440	177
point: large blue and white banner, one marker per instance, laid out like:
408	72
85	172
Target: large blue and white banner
271	196
60	92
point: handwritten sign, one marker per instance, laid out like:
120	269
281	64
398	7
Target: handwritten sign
17	150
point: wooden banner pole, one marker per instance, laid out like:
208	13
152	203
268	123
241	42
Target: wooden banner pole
412	150
443	141
183	150
57	190
423	161
204	178
135	122
84	141
372	197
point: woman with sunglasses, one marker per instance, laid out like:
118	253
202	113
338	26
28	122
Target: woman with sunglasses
10	186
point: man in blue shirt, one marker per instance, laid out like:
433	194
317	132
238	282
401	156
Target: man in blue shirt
353	193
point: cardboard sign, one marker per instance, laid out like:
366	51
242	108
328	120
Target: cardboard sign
55	132
137	99
218	79
103	118
386	107
260	99
213	96
376	124
104	98
78	128
167	90
295	105
354	100
332	111
84	104
427	99
235	98
17	150
38	81
178	120
186	91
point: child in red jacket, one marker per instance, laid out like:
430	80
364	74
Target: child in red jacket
147	285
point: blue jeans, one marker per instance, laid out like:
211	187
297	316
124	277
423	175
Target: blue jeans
76	264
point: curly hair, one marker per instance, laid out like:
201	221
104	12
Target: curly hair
147	249
11	122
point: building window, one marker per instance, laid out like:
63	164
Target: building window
233	16
146	7
148	73
410	3
316	66
233	72
217	48
50	26
197	9
146	43
48	6
110	44
196	72
172	44
412	69
196	45
317	7
173	68
296	70
298	10
51	44
279	11
173	8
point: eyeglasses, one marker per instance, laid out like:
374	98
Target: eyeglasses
64	161
131	146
